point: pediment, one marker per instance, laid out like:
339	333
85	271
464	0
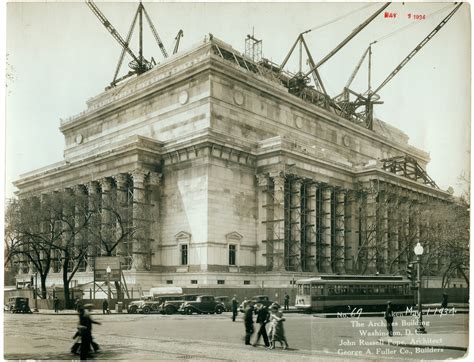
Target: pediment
234	235
183	235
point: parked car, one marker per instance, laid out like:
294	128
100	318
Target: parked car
155	305
202	304
171	306
132	308
226	301
18	305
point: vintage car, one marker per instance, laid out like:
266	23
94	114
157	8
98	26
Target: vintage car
202	304
171	306
155	305
132	308
18	305
226	301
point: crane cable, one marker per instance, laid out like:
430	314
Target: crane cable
338	18
403	28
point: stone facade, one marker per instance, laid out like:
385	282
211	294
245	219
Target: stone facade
225	176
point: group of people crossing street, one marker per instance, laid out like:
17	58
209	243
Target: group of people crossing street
266	316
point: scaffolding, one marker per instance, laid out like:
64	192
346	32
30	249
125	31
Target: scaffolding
408	167
305	230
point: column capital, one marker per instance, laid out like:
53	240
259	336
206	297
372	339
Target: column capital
154	178
121	179
79	189
106	183
340	195
297	182
263	179
92	187
138	175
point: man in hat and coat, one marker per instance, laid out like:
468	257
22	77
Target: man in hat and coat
248	321
86	322
388	315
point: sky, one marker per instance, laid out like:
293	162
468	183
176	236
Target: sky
59	55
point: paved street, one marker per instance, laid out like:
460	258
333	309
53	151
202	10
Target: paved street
211	337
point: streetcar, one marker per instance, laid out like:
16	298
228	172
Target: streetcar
345	292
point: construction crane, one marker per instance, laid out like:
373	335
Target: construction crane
139	63
298	83
368	99
178	37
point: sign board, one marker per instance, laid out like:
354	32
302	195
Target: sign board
100	268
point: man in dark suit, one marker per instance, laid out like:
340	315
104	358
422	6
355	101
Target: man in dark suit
263	316
248	320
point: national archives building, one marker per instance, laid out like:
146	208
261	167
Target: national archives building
227	178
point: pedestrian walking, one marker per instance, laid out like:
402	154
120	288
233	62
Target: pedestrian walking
277	332
248	321
263	317
86	322
388	315
56	304
105	307
287	301
444	302
235	307
76	304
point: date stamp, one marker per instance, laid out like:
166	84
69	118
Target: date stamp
411	16
416	16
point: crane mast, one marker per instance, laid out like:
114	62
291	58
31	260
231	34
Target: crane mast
138	64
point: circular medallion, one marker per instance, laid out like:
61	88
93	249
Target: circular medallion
238	98
346	140
78	138
299	122
183	97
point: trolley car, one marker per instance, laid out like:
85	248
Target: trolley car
339	292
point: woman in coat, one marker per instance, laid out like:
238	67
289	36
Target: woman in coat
277	332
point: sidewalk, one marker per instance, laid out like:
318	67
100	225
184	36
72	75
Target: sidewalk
430	341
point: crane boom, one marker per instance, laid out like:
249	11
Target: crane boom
354	73
155	34
417	48
348	38
111	29
178	37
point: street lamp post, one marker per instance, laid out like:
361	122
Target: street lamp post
36	292
108	285
419	252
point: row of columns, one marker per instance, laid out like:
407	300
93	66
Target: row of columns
312	227
125	194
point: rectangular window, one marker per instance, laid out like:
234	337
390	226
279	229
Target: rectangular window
246	282
194	281
232	254
221	281
169	282
184	254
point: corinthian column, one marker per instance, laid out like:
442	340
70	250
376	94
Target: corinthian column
278	222
140	247
310	262
326	234
94	207
264	227
340	247
108	221
153	215
371	232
